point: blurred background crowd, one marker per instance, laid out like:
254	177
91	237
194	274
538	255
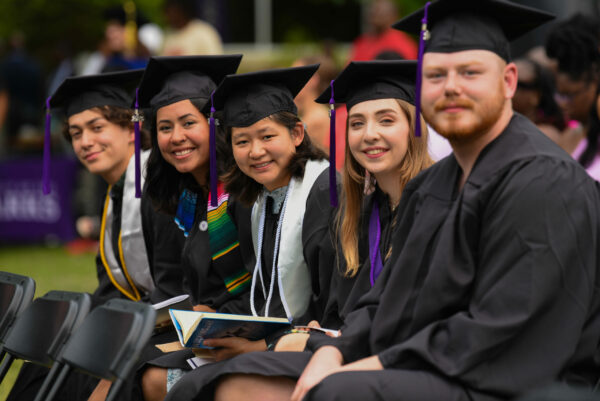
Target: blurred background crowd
42	42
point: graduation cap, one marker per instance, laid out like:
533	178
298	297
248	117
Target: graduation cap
77	94
369	80
448	26
248	98
168	80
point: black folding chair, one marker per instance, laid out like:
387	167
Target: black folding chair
107	344
39	333
16	293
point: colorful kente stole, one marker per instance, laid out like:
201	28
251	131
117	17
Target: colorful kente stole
222	237
224	244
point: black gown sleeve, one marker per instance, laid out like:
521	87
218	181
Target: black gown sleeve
318	244
535	282
354	341
164	244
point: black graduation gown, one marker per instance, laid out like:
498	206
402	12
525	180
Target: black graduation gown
205	283
494	290
345	291
164	244
318	253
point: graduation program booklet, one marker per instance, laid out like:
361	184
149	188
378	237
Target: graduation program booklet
194	327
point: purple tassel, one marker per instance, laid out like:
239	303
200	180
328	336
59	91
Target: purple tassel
212	147
423	36
333	199
137	118
47	147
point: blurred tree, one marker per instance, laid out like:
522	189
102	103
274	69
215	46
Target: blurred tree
47	23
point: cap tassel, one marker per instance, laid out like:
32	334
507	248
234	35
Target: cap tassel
213	154
47	148
333	198
423	36
137	118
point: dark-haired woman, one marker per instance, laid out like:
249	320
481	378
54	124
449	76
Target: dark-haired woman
285	179
177	90
575	45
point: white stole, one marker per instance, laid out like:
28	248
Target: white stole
134	255
293	273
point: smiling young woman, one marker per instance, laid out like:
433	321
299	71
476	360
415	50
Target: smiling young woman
178	91
284	177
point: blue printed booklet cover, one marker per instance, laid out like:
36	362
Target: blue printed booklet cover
194	327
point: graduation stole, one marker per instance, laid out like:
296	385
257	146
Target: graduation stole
222	236
374	239
223	242
112	268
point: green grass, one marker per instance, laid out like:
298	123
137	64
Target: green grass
52	269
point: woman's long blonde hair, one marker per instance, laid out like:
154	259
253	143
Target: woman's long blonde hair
353	178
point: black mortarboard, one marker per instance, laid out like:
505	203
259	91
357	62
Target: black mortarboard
369	80
248	98
77	94
457	25
168	80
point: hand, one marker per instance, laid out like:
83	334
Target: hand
229	347
315	325
325	361
292	342
203	308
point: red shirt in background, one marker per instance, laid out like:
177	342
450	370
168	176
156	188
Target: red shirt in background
368	46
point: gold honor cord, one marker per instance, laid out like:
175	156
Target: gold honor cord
136	295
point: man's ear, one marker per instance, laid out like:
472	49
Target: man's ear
510	80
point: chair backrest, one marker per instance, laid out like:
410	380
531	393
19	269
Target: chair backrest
108	343
40	332
16	293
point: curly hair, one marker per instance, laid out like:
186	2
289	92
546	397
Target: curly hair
575	44
115	115
164	183
244	188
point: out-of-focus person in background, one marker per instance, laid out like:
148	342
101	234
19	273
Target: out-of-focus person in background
20	95
187	34
129	40
314	115
535	99
574	45
380	36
